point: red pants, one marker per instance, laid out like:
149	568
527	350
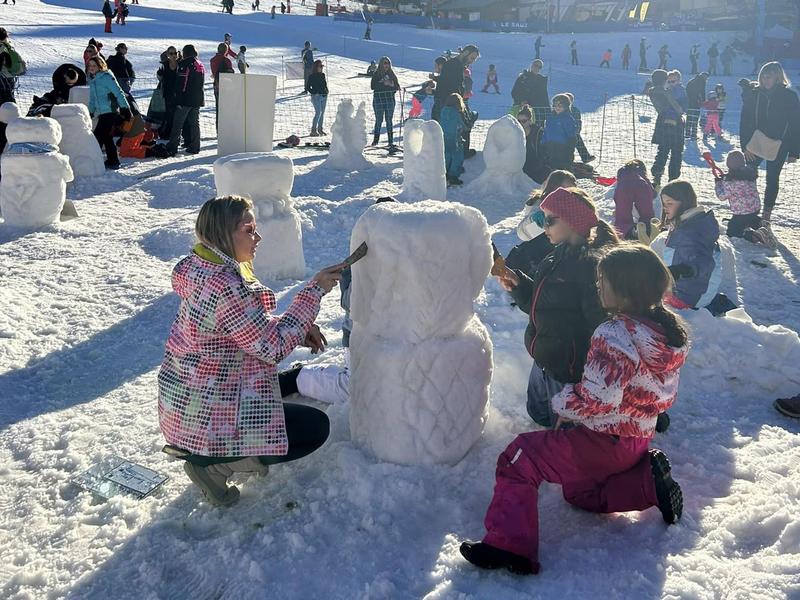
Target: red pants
108	25
597	472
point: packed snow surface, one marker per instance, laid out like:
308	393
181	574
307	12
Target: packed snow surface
87	307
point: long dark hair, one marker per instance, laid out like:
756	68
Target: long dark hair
683	192
639	280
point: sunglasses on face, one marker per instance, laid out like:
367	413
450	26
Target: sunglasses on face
549	220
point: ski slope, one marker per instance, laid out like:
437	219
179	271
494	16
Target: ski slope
86	308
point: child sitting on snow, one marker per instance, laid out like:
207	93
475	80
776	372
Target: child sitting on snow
691	252
738	188
603	463
633	190
560	132
418	99
491	80
452	120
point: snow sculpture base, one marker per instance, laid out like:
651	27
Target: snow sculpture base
267	180
420	403
426	264
78	141
421	361
34	185
504	157
423	161
348	139
79	94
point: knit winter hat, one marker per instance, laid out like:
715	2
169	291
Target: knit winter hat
735	160
572	209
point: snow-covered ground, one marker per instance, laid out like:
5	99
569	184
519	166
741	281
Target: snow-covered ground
86	308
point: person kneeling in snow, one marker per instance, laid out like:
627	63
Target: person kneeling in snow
216	386
691	252
603	463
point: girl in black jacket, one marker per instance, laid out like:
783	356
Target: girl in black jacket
561	297
384	86
772	108
317	86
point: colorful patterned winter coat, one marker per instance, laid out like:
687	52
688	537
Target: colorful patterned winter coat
631	375
740	190
218	384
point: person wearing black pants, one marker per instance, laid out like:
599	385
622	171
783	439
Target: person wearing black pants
189	98
669	130
773	109
105	126
573	47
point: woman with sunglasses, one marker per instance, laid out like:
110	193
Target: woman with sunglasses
384	86
561	297
167	80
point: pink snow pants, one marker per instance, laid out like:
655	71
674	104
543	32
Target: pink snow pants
712	124
597	472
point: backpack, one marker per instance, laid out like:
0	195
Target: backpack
17	66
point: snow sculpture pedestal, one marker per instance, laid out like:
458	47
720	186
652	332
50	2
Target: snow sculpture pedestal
267	180
504	157
421	361
78	141
348	138
423	161
34	183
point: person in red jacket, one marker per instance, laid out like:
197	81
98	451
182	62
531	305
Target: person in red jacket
603	462
220	63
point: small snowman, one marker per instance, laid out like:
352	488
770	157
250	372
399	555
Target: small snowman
78	141
35	174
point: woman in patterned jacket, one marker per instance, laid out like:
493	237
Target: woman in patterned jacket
218	402
602	463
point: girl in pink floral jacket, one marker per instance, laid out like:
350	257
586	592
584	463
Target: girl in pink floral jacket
219	406
602	463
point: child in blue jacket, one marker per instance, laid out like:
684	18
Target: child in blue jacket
452	121
560	134
692	253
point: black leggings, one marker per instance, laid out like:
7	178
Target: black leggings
306	427
105	124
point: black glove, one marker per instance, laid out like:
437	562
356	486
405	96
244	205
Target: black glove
682	271
126	114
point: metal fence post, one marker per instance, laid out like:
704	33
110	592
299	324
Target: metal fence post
633	121
603	128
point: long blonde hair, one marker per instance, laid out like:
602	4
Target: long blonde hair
218	219
773	67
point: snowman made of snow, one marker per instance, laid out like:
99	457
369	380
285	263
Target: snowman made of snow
35	174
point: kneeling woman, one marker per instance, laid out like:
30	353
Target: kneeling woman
218	383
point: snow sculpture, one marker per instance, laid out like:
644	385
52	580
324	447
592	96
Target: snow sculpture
348	138
35	174
79	94
267	179
8	112
423	161
421	361
504	157
78	141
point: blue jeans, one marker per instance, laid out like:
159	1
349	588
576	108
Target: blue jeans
383	104
541	389
319	101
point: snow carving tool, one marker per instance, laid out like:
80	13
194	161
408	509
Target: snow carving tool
718	173
499	263
356	256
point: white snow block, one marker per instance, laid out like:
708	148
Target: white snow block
504	157
78	141
34	185
348	138
427	262
79	94
246	113
267	179
420	403
8	111
423	161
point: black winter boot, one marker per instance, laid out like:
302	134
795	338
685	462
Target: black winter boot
375	139
662	422
670	497
488	557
